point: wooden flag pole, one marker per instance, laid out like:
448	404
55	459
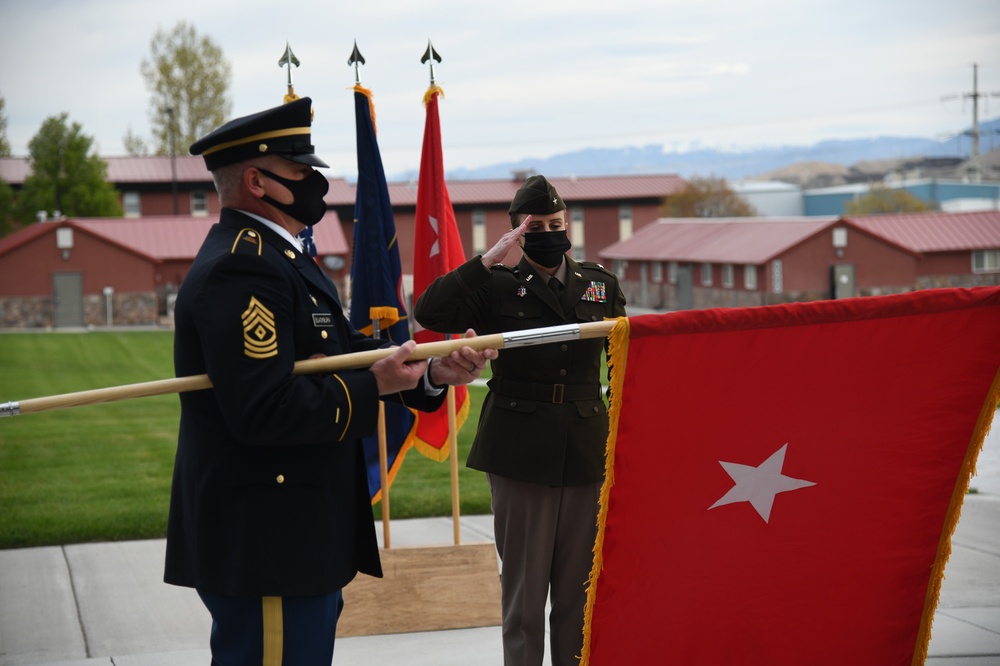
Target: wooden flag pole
383	470
453	454
327	364
383	449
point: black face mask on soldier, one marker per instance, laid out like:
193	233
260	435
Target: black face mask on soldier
308	206
546	248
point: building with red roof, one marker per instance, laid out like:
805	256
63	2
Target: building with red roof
702	263
96	271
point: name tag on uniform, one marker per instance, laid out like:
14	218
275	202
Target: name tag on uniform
322	319
595	293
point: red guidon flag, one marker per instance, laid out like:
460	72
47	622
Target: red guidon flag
437	249
783	482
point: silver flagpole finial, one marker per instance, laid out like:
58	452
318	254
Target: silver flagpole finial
287	60
357	60
431	55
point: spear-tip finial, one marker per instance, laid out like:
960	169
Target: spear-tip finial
432	55
287	60
357	60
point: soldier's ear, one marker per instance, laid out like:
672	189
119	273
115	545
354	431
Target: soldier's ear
253	181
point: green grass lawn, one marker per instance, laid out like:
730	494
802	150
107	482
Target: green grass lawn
102	472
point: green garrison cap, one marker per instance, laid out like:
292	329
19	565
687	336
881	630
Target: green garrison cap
536	197
283	131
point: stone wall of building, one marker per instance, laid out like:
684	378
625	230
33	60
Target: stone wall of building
127	309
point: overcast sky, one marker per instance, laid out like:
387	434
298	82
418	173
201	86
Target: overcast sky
526	78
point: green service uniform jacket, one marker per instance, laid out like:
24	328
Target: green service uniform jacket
269	493
544	420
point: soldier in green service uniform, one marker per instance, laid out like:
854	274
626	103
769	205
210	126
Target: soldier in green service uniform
543	427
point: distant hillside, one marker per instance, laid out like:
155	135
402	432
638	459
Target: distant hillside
851	156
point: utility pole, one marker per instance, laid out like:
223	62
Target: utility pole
977	172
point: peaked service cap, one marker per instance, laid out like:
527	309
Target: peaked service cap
283	131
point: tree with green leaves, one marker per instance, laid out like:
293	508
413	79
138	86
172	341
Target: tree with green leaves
4	143
707	197
6	193
188	79
881	199
65	177
7	223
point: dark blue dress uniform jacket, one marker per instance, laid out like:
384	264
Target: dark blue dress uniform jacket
269	494
544	420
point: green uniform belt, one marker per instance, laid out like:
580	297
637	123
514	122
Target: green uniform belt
556	393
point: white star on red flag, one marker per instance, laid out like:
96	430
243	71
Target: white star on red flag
758	485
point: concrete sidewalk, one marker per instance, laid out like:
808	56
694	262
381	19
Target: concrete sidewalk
105	603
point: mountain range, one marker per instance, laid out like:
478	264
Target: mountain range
753	163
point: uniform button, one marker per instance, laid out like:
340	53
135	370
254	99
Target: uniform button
562	373
324	335
595	409
521	315
513	403
593	317
564	347
280	479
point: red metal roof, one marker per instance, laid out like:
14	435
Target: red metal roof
935	231
157	169
191	169
717	240
572	190
168	237
14	169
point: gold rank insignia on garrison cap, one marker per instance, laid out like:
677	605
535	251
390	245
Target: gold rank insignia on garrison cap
260	337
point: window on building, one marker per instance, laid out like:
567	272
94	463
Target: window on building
727	276
986	261
576	233
478	231
672	272
657	271
840	236
130	202
619	267
625	221
777	278
199	203
749	277
706	275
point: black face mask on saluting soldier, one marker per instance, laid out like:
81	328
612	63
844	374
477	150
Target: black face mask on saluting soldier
546	248
308	206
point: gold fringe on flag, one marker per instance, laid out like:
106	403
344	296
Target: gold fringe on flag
432	452
433	90
371	105
983	424
398	461
617	355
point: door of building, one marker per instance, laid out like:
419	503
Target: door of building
842	281
67	300
685	287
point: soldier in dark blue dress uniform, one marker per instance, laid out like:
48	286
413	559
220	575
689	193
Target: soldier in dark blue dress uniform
544	425
269	514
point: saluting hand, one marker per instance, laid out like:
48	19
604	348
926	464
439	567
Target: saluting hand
496	253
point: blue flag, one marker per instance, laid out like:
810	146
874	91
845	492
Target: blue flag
376	284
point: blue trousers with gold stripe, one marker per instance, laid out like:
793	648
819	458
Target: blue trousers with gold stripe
272	631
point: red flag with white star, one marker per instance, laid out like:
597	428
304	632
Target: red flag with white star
783	481
437	249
